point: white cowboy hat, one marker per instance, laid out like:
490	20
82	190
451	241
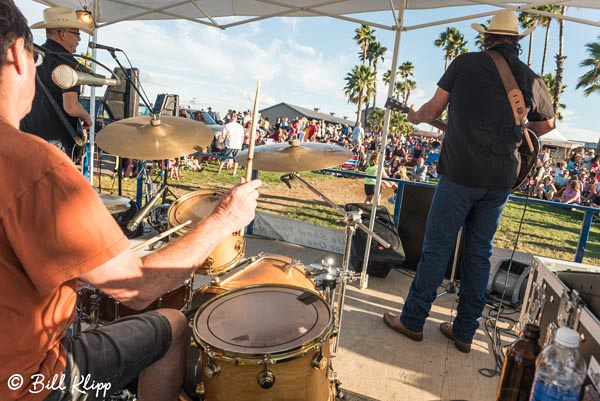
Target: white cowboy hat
503	23
61	17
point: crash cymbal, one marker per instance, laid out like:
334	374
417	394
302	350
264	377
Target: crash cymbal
295	156
139	138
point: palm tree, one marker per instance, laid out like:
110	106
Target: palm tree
375	53
453	43
406	71
527	20
399	125
404	89
364	36
560	61
375	120
550	81
546	21
591	79
479	38
358	84
387	76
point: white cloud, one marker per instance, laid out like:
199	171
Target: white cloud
578	134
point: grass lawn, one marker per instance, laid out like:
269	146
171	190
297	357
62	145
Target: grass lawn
547	231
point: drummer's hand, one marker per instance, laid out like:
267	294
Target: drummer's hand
237	208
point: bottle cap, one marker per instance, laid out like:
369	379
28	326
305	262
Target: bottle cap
567	337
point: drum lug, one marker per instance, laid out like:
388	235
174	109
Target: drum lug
208	262
266	378
211	370
319	361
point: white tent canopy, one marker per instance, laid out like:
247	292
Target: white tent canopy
555	138
209	12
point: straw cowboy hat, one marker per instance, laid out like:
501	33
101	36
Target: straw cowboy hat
61	17
503	23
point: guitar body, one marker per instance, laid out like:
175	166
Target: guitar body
528	150
529	157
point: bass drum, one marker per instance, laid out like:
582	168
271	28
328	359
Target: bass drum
265	342
196	206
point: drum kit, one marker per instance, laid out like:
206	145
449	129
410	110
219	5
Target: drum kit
265	327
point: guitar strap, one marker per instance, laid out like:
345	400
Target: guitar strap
515	96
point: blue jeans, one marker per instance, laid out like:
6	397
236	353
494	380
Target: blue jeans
479	211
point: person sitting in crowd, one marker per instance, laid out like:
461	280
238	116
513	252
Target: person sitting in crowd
571	193
56	233
419	171
546	189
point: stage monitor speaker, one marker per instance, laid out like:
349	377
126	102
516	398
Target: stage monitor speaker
166	104
122	101
414	210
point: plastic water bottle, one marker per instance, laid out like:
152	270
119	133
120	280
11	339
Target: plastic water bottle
559	369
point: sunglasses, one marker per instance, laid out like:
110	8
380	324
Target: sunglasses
78	34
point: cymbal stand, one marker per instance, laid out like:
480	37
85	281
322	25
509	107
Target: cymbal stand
326	274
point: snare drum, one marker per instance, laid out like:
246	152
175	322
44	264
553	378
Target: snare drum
196	206
265	342
102	308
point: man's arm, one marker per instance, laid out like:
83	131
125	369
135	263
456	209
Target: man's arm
75	109
541	127
430	110
137	282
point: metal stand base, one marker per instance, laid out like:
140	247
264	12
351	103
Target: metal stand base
453	285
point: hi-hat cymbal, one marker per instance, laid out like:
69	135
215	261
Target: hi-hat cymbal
139	138
295	156
115	204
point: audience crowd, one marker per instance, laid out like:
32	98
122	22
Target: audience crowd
574	180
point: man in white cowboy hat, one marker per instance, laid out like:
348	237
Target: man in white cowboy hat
63	33
478	166
55	234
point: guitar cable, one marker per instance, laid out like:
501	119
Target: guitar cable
494	337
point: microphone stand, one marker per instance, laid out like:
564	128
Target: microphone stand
352	220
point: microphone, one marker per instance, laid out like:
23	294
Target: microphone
66	77
104	47
136	220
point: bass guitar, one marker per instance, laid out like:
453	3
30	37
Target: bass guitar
528	149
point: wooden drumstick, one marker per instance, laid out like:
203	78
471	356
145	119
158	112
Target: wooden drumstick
252	138
160	236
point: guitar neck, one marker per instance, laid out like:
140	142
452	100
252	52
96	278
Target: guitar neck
396	105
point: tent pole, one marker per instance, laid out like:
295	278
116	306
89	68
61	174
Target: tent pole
92	130
384	134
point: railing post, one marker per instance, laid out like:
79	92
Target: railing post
584	235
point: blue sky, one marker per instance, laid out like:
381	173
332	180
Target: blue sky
304	61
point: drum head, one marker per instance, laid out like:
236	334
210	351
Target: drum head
195	206
264	319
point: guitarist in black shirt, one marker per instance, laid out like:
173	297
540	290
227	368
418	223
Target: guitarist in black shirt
479	164
63	35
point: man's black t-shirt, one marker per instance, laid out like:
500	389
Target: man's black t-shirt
42	119
481	142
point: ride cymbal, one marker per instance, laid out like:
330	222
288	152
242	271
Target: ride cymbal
144	139
295	156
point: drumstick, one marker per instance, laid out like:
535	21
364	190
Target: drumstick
160	236
252	138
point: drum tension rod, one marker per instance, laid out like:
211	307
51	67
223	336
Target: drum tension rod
266	378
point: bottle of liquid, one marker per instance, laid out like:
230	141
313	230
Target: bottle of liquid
559	369
518	369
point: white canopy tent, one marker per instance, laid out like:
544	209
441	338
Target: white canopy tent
208	12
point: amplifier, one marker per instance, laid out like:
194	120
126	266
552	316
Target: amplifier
557	295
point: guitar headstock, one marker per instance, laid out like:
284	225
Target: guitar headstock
396	105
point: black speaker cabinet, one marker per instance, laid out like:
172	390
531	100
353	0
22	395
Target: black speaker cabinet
166	104
122	101
414	210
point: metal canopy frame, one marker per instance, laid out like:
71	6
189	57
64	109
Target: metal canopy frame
206	12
